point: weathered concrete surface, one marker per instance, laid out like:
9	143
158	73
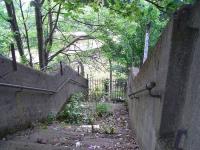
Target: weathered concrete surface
12	145
172	121
59	135
145	112
19	107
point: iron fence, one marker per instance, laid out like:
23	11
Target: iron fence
106	90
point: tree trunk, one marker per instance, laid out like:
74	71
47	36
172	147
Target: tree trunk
26	34
40	37
48	45
14	27
52	27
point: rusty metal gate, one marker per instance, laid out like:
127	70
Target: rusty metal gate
106	90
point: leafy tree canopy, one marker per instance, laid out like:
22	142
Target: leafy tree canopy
119	24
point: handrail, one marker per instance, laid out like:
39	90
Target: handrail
148	87
68	80
139	91
46	91
76	82
27	88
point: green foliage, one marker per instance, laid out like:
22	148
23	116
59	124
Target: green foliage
117	93
97	93
50	118
5	34
109	129
73	111
102	109
120	25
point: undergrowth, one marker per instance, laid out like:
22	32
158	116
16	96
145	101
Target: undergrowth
75	112
72	112
102	109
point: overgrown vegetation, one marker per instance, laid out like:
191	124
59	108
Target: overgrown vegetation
73	110
50	118
77	112
44	30
109	129
103	109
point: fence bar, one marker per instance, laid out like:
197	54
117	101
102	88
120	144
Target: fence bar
99	88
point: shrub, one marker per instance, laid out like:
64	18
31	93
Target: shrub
102	109
72	112
109	129
50	118
96	94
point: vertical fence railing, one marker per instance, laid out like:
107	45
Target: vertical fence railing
99	90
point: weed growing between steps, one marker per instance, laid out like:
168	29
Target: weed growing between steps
50	118
73	111
77	111
80	112
102	109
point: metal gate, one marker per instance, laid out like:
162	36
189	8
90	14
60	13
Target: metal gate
106	90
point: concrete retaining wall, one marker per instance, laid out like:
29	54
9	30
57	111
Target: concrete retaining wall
20	107
172	121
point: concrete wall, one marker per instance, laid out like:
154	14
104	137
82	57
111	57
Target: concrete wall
172	121
20	107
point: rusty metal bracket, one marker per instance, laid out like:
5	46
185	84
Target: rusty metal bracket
149	87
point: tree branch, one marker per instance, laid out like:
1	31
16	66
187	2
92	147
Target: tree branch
44	16
26	34
161	8
55	26
71	43
88	24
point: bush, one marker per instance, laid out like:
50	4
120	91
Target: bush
97	93
109	130
72	112
102	109
50	118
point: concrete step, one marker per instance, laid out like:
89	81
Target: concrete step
16	145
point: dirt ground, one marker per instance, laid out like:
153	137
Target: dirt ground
108	133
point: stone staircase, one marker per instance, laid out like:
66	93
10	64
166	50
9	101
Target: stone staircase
60	136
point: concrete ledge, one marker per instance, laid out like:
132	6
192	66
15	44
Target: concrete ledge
19	108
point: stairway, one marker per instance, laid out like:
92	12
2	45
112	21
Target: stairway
60	136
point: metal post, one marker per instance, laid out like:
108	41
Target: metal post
14	62
87	91
61	68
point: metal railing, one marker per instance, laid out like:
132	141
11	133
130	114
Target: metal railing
41	90
104	89
148	87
